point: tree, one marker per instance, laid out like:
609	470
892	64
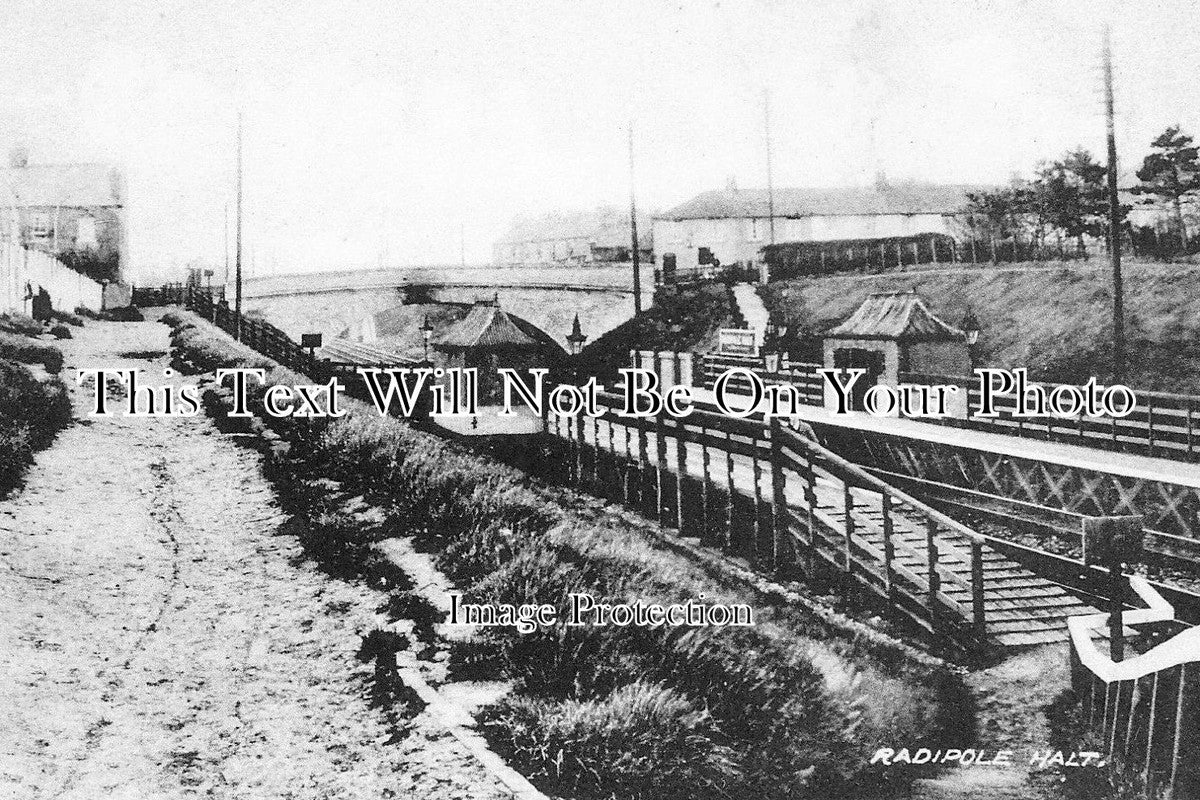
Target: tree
996	212
1171	173
1071	195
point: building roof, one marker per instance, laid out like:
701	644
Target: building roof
604	227
896	315
489	327
78	185
900	198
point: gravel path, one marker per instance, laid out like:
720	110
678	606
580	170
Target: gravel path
158	641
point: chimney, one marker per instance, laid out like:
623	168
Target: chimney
18	157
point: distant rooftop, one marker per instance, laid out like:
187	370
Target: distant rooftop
896	315
606	227
77	185
898	198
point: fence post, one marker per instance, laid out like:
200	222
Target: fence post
783	554
935	578
705	493
758	541
1151	724
810	500
977	596
848	505
731	489
889	547
680	472
1179	708
660	467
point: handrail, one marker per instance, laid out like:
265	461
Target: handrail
1180	649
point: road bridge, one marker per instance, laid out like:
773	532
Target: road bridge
547	296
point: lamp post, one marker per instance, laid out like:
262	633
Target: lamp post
575	340
970	328
426	335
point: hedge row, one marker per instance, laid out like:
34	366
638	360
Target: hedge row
790	708
31	413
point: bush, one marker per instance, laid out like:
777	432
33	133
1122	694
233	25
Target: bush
31	351
61	332
641	741
20	325
67	317
31	413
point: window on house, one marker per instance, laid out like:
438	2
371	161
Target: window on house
39	223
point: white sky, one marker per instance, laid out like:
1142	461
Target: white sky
375	129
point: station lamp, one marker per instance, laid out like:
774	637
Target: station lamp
970	326
426	335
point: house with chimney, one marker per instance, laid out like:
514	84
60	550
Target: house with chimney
73	211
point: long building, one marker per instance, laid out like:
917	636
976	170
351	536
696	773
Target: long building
583	238
732	225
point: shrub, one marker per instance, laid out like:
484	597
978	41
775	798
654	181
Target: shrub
31	351
61	332
67	317
31	413
641	741
20	324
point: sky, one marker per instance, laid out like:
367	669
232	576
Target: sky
401	132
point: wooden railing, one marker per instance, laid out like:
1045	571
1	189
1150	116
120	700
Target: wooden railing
265	338
1162	425
822	516
1144	712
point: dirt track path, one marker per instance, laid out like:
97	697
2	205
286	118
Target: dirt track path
158	641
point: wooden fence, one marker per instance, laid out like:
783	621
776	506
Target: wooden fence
786	505
1162	425
1143	714
270	341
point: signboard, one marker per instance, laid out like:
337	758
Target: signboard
736	342
310	340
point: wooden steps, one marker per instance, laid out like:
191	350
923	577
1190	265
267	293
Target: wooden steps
1021	609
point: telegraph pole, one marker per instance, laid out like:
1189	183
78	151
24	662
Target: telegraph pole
225	221
1114	218
238	253
637	260
770	180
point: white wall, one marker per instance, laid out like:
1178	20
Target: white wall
68	289
740	239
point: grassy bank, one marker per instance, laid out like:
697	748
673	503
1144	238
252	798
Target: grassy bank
789	708
32	411
1055	320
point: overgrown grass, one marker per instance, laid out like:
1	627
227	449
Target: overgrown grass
31	413
16	347
789	708
20	324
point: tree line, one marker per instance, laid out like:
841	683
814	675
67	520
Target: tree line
1063	210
